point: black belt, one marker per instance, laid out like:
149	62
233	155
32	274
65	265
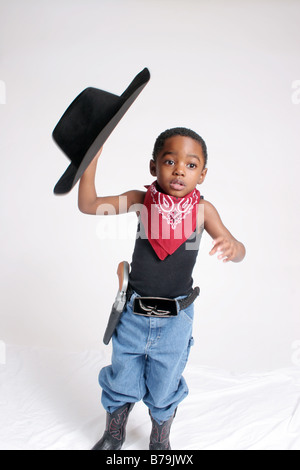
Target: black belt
160	306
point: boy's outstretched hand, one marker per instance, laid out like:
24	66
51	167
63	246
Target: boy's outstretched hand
229	249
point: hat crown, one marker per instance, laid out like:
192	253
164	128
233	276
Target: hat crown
80	124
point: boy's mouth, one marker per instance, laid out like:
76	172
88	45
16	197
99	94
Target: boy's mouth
177	185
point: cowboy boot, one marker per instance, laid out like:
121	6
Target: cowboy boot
115	432
159	438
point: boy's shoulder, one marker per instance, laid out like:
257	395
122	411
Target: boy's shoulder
206	212
134	197
204	203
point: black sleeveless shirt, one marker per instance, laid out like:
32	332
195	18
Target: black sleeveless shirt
171	277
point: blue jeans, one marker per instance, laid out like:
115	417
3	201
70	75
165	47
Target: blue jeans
148	359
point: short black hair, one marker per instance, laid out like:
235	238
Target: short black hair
184	132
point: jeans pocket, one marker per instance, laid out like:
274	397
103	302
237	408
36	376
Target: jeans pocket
188	313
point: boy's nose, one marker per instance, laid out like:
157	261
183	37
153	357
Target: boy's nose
179	170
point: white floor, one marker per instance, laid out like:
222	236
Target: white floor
51	401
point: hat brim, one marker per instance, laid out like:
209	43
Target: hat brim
74	173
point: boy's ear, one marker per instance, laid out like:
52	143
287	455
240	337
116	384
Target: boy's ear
152	167
203	175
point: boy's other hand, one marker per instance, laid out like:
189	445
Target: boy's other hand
229	249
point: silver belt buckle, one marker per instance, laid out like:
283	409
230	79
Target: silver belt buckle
155	307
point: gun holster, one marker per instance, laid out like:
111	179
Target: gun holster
119	303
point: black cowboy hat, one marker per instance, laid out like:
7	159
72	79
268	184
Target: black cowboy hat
86	125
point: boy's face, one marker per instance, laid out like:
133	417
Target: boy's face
179	166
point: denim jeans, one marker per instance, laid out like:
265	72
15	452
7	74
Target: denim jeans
148	359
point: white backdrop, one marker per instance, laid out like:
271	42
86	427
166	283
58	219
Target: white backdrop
227	69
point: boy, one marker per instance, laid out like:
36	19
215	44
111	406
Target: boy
151	349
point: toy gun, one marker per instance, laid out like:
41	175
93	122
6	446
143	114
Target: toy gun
120	301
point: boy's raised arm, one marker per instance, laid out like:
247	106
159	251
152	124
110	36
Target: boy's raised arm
90	203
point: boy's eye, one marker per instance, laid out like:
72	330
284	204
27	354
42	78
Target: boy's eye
189	165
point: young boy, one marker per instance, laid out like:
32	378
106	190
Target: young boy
150	350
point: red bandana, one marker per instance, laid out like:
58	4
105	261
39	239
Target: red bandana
169	221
